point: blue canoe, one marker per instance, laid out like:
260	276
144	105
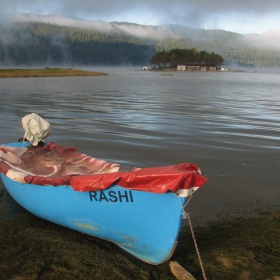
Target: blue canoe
144	224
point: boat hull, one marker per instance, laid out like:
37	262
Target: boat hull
144	224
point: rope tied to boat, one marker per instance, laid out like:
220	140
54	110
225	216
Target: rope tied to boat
184	213
187	215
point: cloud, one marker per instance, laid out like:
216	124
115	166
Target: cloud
268	40
94	6
61	20
240	16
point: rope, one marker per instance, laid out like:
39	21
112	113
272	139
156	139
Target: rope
183	207
196	247
187	215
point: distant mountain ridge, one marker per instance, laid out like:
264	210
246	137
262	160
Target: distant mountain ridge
81	42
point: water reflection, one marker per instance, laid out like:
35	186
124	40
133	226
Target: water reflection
140	105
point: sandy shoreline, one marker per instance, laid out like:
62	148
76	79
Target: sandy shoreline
240	184
9	208
1	198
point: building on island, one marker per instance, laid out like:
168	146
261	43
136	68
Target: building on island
212	68
193	68
181	67
196	68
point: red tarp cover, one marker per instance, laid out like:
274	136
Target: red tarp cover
57	165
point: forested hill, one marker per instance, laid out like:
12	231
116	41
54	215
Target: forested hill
39	43
116	43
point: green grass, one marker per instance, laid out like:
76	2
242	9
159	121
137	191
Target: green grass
46	72
31	70
236	249
32	248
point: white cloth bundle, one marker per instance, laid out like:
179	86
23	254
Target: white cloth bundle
36	129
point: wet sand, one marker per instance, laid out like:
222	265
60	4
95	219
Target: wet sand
1	199
240	184
9	208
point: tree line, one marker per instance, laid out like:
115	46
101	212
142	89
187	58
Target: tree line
40	43
188	57
231	46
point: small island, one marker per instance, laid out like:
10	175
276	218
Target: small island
46	72
186	60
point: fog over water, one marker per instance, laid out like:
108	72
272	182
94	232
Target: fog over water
227	123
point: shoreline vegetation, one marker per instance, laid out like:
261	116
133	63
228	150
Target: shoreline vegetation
32	248
235	248
46	72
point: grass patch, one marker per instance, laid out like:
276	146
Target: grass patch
235	249
46	72
32	248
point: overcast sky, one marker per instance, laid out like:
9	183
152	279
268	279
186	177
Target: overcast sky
241	16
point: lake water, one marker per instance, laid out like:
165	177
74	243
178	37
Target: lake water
228	123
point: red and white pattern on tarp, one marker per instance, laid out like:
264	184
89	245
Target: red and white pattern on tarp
57	165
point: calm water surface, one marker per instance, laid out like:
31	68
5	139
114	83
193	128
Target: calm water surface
227	123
